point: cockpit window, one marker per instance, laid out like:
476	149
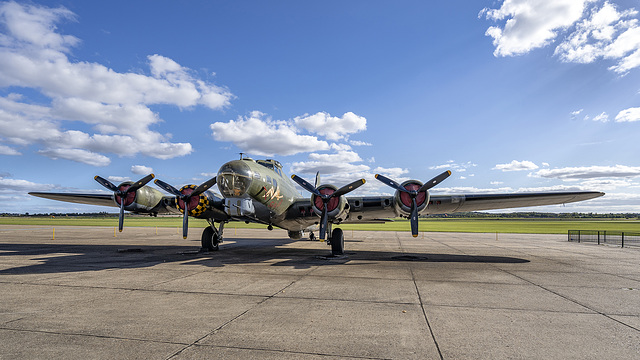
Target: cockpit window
265	164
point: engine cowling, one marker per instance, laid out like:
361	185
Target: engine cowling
402	200
197	204
142	200
337	207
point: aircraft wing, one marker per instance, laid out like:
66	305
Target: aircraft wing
476	202
89	199
380	207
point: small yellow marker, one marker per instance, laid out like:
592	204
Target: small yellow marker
156	230
54	234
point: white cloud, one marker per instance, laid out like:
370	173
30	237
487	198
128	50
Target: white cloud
603	117
589	172
34	55
22	185
6	150
262	136
395	173
340	162
452	165
594	30
359	143
516	166
608	34
77	155
118	179
141	170
331	127
531	24
629	115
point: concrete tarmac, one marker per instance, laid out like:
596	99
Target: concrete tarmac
136	295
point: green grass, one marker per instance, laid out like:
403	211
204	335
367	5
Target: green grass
520	226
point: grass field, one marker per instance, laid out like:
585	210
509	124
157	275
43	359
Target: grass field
518	226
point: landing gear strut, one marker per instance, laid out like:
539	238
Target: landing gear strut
212	237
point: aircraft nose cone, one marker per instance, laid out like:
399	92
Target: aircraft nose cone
234	178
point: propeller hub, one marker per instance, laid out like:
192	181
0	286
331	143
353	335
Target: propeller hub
129	197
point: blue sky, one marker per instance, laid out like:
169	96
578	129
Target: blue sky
514	95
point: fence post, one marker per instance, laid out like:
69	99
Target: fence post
622	239
578	236
598	237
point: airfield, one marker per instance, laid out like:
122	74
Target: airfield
143	293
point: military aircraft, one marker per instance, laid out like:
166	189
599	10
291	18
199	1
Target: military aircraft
258	191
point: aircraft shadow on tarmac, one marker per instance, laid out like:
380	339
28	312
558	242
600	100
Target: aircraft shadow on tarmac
61	258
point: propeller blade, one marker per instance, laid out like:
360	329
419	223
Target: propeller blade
305	185
140	183
185	220
168	188
204	187
324	221
106	183
121	216
391	183
414	217
317	179
348	188
435	181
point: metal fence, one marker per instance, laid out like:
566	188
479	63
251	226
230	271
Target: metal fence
619	238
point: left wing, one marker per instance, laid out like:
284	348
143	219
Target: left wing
379	207
89	199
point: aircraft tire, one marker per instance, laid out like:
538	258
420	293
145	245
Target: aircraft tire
337	242
209	239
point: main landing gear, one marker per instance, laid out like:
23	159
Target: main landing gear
336	240
212	237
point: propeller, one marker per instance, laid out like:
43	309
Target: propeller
186	198
413	194
326	197
123	193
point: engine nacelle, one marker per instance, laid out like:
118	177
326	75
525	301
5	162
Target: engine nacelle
402	200
197	205
142	200
337	207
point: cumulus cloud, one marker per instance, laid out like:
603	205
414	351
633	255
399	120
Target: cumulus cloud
629	115
603	117
260	135
332	127
77	155
141	170
593	30
22	185
530	24
516	165
6	150
589	172
340	162
34	55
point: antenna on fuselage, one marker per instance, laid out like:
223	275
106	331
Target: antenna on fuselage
242	156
